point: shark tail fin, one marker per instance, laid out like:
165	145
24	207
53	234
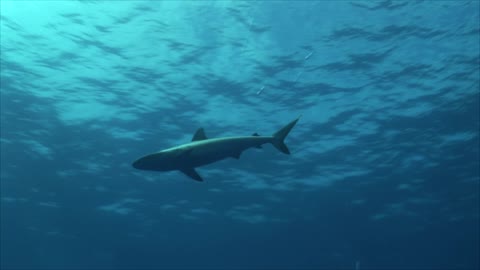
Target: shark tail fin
279	137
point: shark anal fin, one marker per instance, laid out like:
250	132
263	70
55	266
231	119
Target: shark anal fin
190	172
257	135
199	135
236	155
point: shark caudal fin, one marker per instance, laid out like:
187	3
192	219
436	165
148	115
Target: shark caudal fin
279	137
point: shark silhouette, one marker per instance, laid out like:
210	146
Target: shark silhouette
202	151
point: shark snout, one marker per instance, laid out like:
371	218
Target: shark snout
149	162
136	164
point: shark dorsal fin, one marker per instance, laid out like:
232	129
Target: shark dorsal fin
255	134
199	135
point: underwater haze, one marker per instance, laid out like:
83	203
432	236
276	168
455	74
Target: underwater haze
384	164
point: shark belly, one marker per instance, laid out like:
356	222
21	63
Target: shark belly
216	150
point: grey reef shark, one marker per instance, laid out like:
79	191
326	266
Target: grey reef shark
202	151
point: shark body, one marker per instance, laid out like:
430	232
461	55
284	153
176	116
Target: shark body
202	151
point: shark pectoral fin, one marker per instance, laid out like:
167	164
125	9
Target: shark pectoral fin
190	172
199	135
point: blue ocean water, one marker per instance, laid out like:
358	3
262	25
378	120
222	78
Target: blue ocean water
384	169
